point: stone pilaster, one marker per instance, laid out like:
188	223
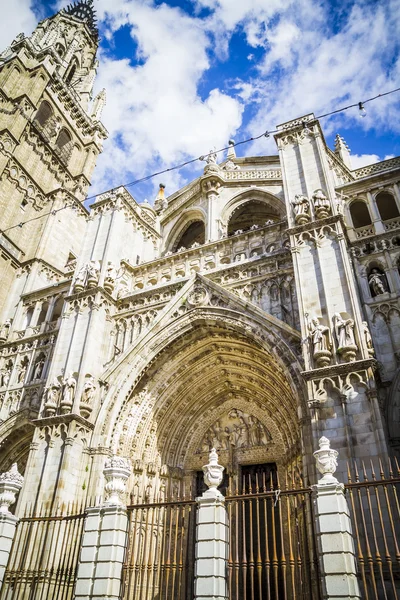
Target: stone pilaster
10	484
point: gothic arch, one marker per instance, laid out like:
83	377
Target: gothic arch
199	365
188	217
16	434
257	195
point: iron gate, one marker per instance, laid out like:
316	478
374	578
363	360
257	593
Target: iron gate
44	557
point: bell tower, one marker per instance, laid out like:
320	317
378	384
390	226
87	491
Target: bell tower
50	137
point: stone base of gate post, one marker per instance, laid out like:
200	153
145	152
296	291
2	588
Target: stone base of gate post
105	539
10	484
211	537
102	554
334	534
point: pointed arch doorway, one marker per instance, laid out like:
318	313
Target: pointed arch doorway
215	385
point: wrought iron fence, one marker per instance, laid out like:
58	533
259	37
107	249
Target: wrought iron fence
272	553
373	498
44	556
160	556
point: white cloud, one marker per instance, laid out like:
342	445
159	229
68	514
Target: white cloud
362	160
16	17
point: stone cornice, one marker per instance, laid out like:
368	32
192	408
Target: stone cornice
91	292
65	419
341	369
317	224
373	180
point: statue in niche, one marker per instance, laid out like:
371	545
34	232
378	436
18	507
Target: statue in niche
5	330
368	338
344	331
235	430
23	366
5	374
301	209
89	390
52	398
38	368
321	341
377	283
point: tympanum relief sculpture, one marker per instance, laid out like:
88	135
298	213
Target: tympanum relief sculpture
233	431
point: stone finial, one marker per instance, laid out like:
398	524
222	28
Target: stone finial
10	484
213	475
116	472
231	149
326	459
160	203
342	151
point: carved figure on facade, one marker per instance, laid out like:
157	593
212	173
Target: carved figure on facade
368	338
322	205
344	331
235	430
321	342
5	374
5	330
38	367
80	279
52	395
87	398
301	209
93	273
68	395
230	166
23	366
377	283
110	277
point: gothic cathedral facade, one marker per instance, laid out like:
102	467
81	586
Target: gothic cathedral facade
253	311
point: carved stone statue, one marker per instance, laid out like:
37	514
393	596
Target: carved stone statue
322	205
109	280
67	400
321	341
93	273
5	330
38	368
52	398
22	369
377	283
80	279
344	330
88	394
301	209
211	158
368	338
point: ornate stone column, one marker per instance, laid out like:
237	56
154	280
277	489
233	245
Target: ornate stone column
211	536
334	533
10	484
105	538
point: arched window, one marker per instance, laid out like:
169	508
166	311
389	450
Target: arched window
44	113
250	214
193	234
28	317
360	214
387	206
64	138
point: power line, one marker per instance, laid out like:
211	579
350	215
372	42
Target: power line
266	134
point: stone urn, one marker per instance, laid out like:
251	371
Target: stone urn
10	484
213	473
326	460
116	471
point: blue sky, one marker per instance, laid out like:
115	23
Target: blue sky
184	76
